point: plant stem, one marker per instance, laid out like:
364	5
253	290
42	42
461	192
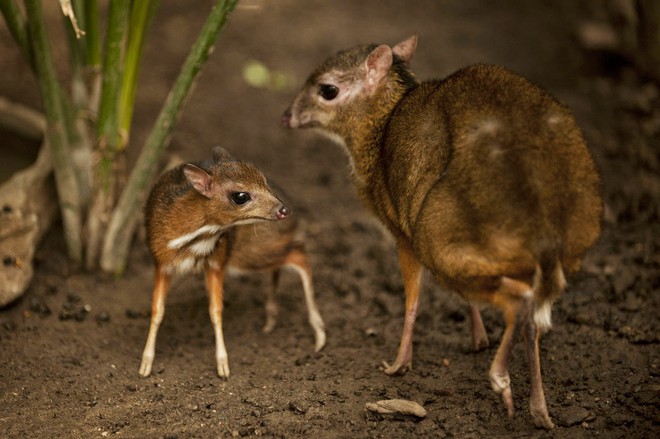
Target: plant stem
124	219
16	25
67	187
141	14
92	33
105	175
92	54
112	70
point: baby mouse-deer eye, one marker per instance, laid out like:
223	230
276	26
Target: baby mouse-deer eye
328	91
240	198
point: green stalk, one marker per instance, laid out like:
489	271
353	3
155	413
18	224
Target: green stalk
124	219
67	187
77	50
106	170
17	27
92	54
112	70
141	14
92	33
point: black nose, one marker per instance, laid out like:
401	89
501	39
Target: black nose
283	212
286	118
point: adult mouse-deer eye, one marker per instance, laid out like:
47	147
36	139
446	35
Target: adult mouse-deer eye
328	91
240	198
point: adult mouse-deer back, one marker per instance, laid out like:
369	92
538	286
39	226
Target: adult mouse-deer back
482	177
202	217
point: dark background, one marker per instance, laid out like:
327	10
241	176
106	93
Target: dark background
78	377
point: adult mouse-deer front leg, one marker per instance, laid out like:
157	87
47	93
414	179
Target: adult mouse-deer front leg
412	277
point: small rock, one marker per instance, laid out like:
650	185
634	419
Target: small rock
133	314
73	297
632	303
618	419
102	317
573	415
624	281
648	397
38	306
397	406
298	407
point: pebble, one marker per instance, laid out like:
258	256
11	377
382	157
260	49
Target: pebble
569	416
298	407
103	317
397	406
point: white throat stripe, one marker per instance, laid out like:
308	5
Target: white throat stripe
188	237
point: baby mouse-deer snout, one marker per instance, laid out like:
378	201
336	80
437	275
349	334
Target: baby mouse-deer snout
283	212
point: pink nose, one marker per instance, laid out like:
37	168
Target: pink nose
283	212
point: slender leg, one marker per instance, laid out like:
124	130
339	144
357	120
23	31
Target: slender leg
412	276
499	369
509	297
157	311
479	336
297	260
271	304
537	405
214	278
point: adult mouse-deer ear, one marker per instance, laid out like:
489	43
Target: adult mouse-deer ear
406	48
481	177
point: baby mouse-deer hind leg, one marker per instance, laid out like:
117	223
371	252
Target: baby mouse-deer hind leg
479	335
272	309
297	259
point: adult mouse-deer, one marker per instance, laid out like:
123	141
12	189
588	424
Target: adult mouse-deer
213	216
482	177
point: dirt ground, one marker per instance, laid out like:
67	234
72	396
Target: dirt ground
71	347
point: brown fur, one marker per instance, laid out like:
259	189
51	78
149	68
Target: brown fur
483	176
194	223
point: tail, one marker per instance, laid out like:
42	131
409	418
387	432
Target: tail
549	283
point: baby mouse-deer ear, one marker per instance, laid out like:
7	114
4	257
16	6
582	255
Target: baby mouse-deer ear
406	48
200	180
220	154
378	63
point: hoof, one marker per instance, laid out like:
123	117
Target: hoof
397	369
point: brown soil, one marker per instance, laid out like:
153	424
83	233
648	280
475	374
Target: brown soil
71	346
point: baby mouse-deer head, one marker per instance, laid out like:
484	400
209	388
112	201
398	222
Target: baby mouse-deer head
235	190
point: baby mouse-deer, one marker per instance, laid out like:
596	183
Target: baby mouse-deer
481	177
214	216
